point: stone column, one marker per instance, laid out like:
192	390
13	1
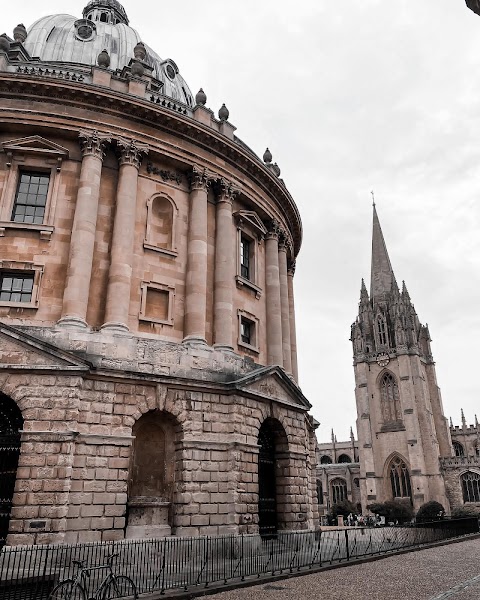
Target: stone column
272	285
77	286
293	330
120	274
196	277
224	268
285	307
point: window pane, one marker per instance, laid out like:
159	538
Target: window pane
16	287
31	198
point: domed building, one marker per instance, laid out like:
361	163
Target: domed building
148	359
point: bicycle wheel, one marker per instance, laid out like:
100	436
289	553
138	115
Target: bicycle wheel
120	587
67	589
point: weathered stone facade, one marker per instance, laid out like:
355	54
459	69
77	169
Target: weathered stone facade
151	349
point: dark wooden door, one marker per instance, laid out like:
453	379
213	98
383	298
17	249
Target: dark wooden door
267	486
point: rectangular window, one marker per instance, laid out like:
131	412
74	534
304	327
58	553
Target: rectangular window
157	304
245	249
16	287
246	331
30	197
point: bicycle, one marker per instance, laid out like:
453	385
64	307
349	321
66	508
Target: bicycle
112	586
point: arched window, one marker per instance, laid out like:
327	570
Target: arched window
344	458
382	331
471	487
103	17
400	478
320	491
325	460
339	490
356	481
458	449
390	399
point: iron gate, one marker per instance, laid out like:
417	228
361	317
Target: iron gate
267	485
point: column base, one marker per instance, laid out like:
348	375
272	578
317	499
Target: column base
114	327
194	340
224	348
71	321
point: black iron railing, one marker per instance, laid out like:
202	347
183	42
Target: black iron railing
185	563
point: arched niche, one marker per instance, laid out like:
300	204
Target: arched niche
160	233
151	483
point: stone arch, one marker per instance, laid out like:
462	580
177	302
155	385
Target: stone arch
273	475
344	458
397	477
11	424
326	460
160	231
155	470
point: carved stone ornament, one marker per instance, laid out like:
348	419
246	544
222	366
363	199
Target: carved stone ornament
164	174
284	242
93	143
226	190
131	152
200	178
274	229
291	268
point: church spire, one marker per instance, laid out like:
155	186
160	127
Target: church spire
382	279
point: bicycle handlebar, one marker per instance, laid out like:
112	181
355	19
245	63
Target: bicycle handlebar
82	564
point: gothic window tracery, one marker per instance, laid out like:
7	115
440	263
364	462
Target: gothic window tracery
400	478
325	460
471	487
382	331
339	490
390	399
458	449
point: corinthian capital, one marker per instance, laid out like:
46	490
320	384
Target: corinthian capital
226	190
291	268
274	230
200	178
131	152
284	242
93	143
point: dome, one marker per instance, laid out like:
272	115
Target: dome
65	39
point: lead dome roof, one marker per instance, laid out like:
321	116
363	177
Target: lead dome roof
67	39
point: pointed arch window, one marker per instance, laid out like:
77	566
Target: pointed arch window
382	331
339	490
471	487
458	449
390	399
400	478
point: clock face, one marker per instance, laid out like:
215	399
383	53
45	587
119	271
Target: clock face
383	359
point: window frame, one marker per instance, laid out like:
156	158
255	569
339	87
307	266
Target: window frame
148	285
243	315
17	267
16	203
251	229
38	155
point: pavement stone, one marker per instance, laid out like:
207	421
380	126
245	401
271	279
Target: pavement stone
451	571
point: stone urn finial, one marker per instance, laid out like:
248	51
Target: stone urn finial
223	113
4	43
140	52
20	33
103	59
276	169
267	156
201	97
137	68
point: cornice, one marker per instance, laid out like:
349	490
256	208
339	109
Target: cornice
134	108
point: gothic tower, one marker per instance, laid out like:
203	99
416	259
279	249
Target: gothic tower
402	431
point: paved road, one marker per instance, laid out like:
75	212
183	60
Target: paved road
446	572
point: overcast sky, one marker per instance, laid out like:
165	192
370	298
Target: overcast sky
349	96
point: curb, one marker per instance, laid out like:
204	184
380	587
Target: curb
216	588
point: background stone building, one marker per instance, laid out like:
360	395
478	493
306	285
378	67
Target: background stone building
147	341
406	450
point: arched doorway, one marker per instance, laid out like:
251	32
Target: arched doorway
152	476
11	423
272	441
